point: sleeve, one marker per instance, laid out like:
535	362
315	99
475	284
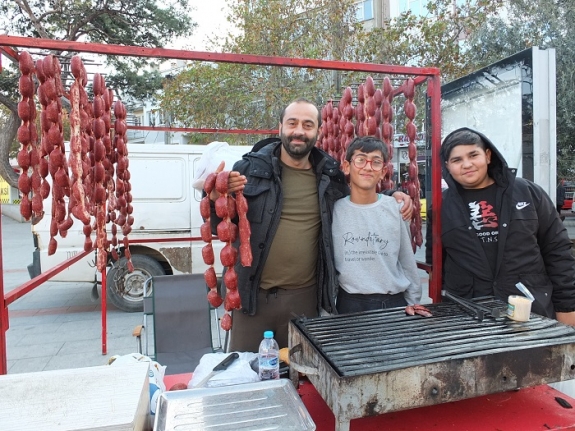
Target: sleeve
556	251
407	261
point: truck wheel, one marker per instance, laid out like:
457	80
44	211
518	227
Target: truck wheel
126	289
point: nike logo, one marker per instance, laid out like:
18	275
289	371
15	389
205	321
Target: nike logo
521	205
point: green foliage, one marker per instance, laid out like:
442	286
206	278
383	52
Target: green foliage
127	22
545	24
251	97
147	23
433	40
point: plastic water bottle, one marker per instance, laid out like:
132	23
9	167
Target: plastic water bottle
269	361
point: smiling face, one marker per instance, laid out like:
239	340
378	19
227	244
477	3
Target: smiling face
298	129
365	178
468	165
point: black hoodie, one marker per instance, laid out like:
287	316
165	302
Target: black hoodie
533	245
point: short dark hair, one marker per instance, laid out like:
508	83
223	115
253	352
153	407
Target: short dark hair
301	100
367	144
460	137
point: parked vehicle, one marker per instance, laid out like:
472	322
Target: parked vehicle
569	191
165	206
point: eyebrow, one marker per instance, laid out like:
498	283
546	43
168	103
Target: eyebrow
365	155
305	121
472	152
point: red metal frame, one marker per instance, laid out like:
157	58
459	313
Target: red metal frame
429	74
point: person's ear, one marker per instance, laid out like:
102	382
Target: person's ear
345	167
488	154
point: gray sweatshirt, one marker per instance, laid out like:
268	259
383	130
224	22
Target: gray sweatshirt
372	249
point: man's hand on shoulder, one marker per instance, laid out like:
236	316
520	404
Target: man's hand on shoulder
566	318
407	209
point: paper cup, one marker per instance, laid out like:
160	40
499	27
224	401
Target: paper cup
519	308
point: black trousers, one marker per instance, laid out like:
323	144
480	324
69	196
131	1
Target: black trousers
275	308
354	302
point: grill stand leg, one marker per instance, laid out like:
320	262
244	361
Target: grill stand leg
294	377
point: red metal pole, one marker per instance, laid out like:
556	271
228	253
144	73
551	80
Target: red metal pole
204	130
3	310
434	92
45	276
104	310
138	51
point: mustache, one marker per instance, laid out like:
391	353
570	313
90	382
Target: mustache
298	137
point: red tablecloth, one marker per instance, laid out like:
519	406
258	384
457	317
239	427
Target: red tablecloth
529	409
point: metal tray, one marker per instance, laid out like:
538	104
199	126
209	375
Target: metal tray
268	405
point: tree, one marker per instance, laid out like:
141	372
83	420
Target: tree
243	96
129	22
546	24
436	39
319	30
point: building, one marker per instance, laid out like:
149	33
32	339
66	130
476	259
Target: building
373	13
150	114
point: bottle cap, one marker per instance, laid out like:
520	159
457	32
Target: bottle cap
268	334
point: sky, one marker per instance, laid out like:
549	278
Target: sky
210	18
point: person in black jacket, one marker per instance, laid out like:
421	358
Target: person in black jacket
498	229
291	187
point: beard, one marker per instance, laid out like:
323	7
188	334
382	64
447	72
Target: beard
297	151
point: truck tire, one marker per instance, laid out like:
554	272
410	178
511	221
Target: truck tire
126	289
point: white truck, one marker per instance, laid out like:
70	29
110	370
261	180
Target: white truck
165	206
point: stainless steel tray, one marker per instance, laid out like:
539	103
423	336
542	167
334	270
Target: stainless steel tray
268	405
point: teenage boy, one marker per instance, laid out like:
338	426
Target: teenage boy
291	187
372	246
498	229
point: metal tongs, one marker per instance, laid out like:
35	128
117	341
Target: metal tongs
475	309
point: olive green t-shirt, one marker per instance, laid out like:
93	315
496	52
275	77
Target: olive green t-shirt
292	260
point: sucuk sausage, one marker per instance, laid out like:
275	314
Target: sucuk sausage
206	232
208	254
210	182
227	231
26	135
205	207
231	279
215	300
226	322
232	300
211	278
244	230
222	182
214	297
221	206
228	255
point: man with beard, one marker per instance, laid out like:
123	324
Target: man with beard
291	187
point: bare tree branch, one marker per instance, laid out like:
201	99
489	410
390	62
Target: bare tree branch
37	25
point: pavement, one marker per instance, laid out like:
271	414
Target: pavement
59	326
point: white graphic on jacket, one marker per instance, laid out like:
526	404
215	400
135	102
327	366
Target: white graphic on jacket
484	220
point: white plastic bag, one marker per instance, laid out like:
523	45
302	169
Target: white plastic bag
155	374
213	155
238	372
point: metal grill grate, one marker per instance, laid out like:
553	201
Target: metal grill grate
386	340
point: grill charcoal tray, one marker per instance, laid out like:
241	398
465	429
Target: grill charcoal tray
267	405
